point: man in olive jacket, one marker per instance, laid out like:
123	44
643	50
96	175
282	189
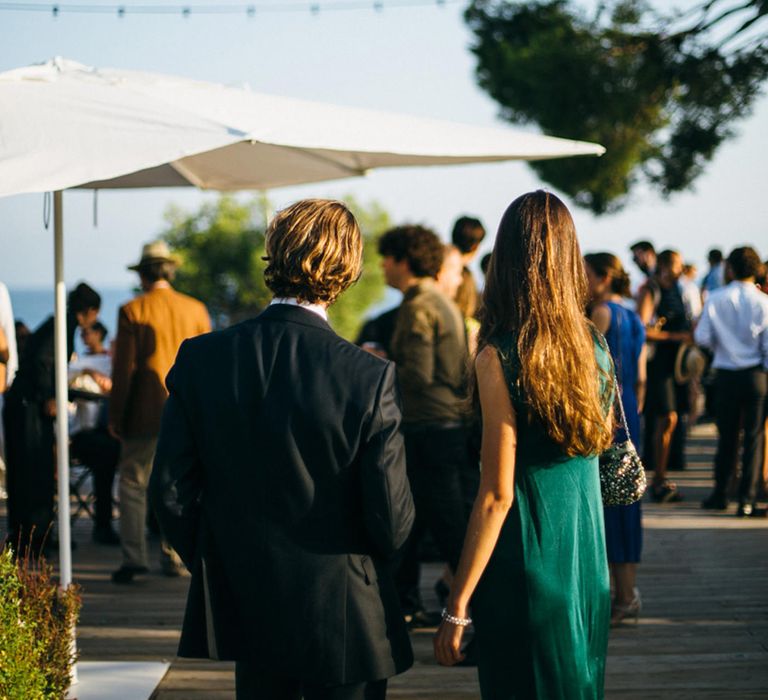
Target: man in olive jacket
429	347
280	480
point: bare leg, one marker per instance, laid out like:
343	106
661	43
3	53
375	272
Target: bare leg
624	576
665	428
627	603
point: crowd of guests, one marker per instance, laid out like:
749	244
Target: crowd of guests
118	393
519	379
663	372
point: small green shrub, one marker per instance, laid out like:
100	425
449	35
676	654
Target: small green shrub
36	623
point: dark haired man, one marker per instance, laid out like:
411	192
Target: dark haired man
467	235
715	277
150	329
734	325
30	408
429	348
644	256
280	479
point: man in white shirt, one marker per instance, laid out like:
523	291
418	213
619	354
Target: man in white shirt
691	292
734	325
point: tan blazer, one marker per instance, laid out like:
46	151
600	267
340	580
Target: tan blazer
150	330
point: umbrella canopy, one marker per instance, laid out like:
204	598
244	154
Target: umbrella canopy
67	125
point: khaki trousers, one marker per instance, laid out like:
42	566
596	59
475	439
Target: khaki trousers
136	457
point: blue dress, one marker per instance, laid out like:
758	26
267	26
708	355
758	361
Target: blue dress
623	524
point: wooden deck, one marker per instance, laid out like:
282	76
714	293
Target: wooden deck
703	632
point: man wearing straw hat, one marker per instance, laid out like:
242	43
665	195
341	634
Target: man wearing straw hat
150	329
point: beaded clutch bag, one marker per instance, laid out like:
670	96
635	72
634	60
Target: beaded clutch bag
622	476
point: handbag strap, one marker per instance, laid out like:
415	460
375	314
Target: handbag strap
617	399
617	386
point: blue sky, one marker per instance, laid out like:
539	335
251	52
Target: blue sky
411	60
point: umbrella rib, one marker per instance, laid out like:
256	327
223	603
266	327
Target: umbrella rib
328	160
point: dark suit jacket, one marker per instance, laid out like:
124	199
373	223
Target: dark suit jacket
36	377
280	480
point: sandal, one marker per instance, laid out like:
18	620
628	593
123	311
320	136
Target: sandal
666	492
620	613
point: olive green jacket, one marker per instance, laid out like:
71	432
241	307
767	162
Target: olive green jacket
429	347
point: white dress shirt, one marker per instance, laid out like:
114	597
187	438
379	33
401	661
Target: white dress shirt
318	309
691	298
9	328
85	414
734	325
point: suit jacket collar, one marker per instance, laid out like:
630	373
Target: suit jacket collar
294	314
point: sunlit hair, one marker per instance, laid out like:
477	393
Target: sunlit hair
536	289
605	264
314	251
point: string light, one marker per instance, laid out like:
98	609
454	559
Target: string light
249	10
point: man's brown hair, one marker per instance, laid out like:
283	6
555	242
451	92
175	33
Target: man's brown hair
467	234
421	247
314	251
744	263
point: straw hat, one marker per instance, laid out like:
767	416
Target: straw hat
154	252
690	363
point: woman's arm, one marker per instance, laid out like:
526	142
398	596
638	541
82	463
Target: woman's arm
645	309
641	378
658	335
601	317
494	498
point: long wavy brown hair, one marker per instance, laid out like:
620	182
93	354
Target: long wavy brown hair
536	289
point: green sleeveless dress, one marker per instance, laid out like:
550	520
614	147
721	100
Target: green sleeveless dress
542	606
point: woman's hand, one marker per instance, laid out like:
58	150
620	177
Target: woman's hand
102	380
447	643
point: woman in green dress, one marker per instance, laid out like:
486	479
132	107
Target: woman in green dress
534	562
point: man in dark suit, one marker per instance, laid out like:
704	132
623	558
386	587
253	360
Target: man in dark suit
280	480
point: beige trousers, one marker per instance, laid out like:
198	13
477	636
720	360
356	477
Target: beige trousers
136	457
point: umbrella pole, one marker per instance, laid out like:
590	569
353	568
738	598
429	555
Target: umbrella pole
62	425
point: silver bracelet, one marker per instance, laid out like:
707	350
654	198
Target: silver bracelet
460	621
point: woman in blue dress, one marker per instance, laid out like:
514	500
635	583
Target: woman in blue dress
625	333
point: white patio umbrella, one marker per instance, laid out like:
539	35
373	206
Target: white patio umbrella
64	125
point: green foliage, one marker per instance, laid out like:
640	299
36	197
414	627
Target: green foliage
660	101
221	247
20	675
36	624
